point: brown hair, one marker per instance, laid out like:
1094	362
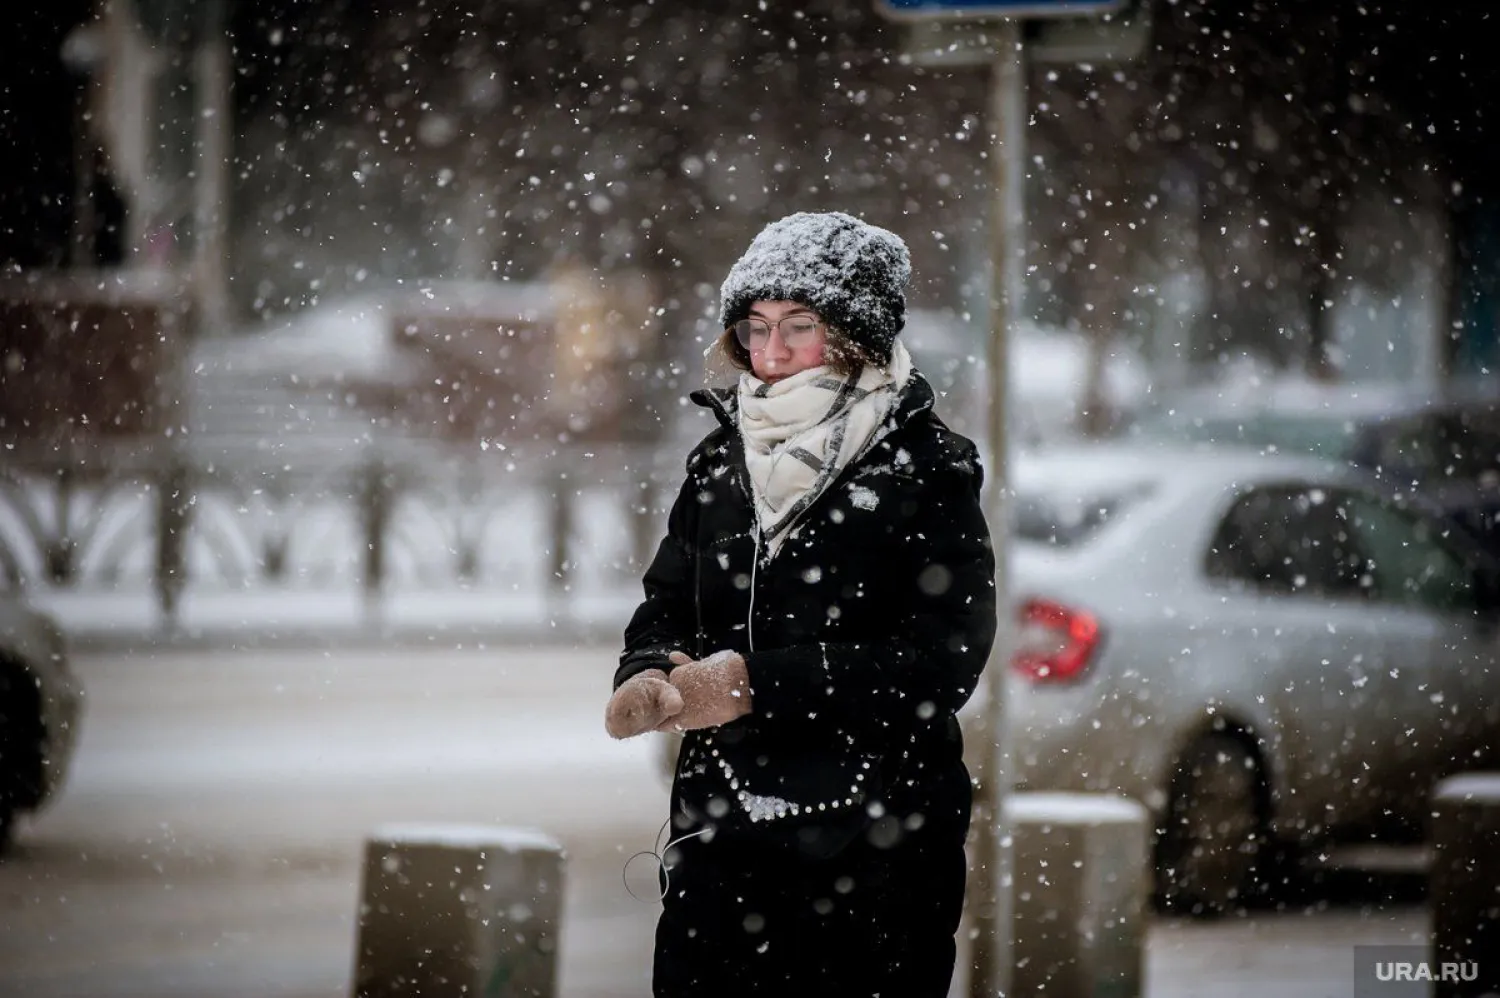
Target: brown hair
842	354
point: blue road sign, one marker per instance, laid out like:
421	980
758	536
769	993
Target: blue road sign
918	10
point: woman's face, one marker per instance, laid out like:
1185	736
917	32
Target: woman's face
784	338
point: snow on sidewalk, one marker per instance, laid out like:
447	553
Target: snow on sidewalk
277	616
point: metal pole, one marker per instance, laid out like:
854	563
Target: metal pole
174	510
376	504
990	956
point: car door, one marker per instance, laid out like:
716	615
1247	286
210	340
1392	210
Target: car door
1289	570
1419	572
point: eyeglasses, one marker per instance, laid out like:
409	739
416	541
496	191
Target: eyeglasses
796	331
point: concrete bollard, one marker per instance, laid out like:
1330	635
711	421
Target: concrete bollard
1464	883
1080	878
462	910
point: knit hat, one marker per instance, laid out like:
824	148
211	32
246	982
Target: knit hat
852	273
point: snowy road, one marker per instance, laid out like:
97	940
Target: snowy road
208	844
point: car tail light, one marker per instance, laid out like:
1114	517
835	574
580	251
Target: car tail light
1054	643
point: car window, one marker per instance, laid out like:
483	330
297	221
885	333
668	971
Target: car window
1411	448
1176	426
1454	445
1408	560
1321	434
1067	519
1471	445
1293	541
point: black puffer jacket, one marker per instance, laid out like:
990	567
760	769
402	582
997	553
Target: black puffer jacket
862	636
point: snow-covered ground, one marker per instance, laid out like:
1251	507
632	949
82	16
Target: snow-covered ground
208	844
443	617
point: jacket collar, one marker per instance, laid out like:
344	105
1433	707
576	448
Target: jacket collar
723	402
916	397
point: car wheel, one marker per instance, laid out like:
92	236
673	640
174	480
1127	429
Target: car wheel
1213	840
9	779
20	727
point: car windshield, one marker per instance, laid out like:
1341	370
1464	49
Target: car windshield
1320	434
1065	518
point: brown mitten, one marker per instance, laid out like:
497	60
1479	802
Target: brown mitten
642	703
715	691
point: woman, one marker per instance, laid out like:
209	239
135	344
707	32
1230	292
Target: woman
821	607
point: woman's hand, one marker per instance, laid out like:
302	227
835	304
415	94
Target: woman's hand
642	703
714	691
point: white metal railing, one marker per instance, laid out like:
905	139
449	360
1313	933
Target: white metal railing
226	511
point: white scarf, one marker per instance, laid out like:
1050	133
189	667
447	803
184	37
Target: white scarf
800	432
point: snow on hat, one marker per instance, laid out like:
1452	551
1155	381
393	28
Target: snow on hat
852	273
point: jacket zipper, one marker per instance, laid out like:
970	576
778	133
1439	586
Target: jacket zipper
697	591
754	564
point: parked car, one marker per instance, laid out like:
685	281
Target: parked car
40	705
1269	652
1442	444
